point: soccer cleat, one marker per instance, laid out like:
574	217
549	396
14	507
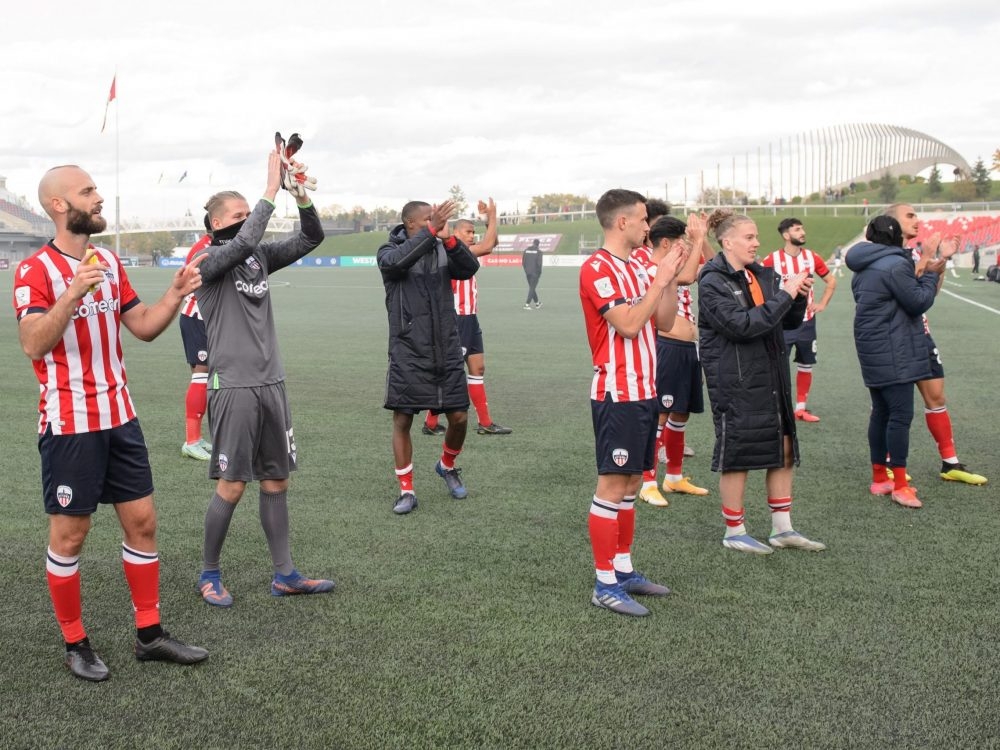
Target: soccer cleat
195	451
805	415
296	583
614	597
958	473
882	488
907	497
746	543
794	540
212	590
453	479
688	451
436	430
636	584
84	663
166	648
652	496
493	429
537	305
888	473
684	486
527	306
205	445
404	504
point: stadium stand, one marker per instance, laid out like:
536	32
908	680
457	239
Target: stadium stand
973	230
22	231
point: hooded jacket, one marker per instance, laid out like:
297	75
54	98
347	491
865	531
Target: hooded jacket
426	364
889	300
743	354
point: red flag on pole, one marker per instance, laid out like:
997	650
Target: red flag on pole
111	98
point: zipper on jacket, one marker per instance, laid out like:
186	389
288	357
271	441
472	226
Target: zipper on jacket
722	444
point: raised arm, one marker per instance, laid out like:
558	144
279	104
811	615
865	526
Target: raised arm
489	241
284	253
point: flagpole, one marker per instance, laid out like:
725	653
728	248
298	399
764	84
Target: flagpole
118	229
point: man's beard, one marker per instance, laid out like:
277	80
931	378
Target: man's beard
81	222
798	242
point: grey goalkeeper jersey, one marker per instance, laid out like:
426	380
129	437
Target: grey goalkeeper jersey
235	299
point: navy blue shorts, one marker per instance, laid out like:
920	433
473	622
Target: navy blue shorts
470	335
803	339
624	435
678	377
81	471
195	340
937	368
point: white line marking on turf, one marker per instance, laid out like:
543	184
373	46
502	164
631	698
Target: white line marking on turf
971	302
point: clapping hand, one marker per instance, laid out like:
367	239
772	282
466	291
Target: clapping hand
438	221
796	284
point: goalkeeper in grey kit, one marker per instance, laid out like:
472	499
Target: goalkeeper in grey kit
248	410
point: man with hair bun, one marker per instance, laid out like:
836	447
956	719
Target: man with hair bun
620	299
743	308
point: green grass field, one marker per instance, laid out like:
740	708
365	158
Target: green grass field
468	623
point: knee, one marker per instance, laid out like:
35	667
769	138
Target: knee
458	418
231	492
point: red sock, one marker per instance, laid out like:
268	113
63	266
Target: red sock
898	477
142	571
448	456
195	404
732	517
477	394
673	438
431	421
63	574
602	524
405	477
649	476
879	473
939	423
803	381
626	525
779	504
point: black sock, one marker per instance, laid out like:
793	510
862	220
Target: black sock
149	634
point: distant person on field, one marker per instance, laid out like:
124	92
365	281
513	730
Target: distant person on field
889	337
195	341
531	262
743	308
248	412
792	259
71	299
975	260
932	388
620	299
837	261
426	366
466	294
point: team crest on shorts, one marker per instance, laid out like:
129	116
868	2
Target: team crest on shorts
667	400
619	456
64	494
223	462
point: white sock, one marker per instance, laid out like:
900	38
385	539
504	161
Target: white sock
607	576
735	530
781	521
623	562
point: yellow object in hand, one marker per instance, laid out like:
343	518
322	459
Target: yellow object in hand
94	261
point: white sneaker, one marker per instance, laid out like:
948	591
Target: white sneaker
746	543
195	451
794	540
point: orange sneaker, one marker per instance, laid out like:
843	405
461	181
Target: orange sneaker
805	415
907	497
684	486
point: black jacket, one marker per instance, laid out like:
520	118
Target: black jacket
531	261
889	300
743	353
426	365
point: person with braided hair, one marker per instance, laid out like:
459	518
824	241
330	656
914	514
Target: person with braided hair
743	308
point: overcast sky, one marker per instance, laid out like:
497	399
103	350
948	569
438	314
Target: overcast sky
399	100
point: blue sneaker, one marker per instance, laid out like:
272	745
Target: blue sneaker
746	543
636	584
212	590
296	583
613	596
452	478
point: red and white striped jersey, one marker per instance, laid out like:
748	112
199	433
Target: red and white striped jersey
190	305
466	292
82	380
788	265
624	369
915	254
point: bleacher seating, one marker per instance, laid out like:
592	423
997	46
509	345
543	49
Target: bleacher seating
37	222
972	230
